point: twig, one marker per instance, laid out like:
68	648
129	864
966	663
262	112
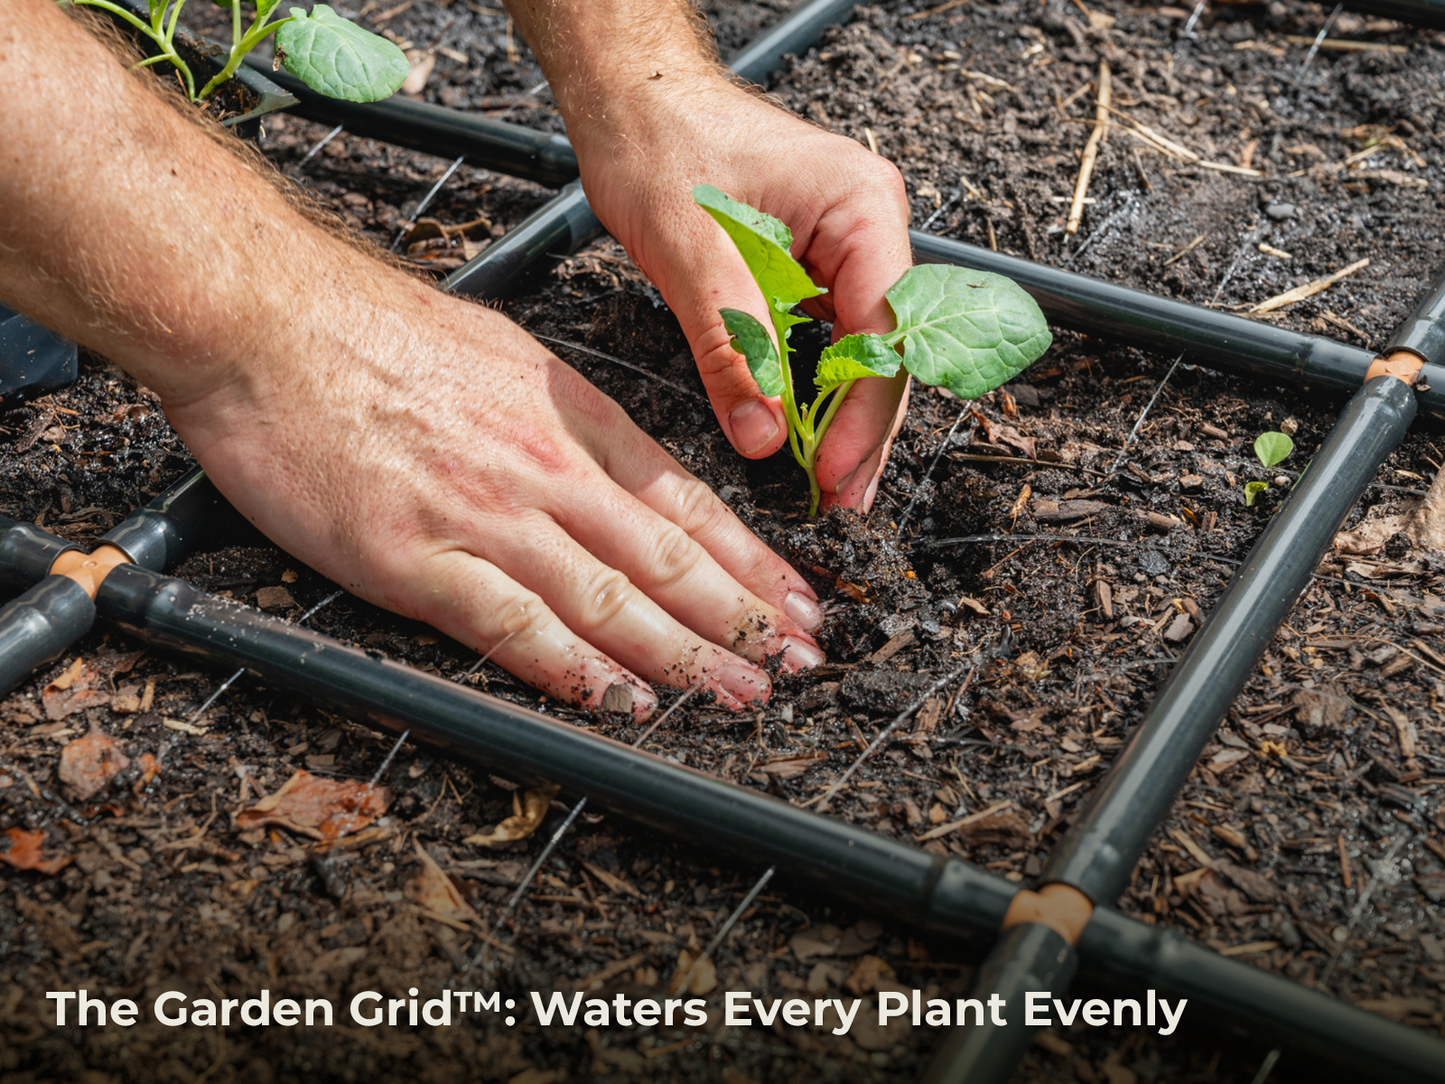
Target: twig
887	732
327	138
426	200
727	926
1309	289
903	519
1320	37
1267	1066
1144	414
1091	147
679	702
617	361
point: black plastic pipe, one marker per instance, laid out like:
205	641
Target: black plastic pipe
1099	851
1429	13
544	157
40	625
559	227
1423	334
795	33
56	611
1217	339
945	896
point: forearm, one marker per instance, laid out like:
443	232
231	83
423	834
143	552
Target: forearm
129	229
606	59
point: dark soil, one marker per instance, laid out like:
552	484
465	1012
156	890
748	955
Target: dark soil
1321	794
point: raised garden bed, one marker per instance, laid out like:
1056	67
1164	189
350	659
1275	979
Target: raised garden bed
1070	639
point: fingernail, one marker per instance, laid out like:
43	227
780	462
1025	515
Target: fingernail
799	655
803	610
743	682
870	493
753	426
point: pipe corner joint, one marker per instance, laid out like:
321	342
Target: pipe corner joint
1060	907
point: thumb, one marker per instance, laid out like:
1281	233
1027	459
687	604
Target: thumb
697	281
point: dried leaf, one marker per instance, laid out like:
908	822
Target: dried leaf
789	767
1370	536
701	981
73	691
323	809
22	850
88	764
432	890
528	811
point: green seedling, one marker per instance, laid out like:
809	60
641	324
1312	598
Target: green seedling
1272	448
329	54
1269	449
967	331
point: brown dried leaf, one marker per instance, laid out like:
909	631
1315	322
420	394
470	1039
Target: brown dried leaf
323	809
432	890
73	691
528	812
88	764
703	978
22	850
1370	536
789	767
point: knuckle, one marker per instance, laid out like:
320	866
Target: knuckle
605	597
698	508
672	558
523	617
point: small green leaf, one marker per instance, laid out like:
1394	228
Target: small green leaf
968	331
752	341
264	9
763	243
1252	490
1272	448
339	58
853	357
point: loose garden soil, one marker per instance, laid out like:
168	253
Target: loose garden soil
1308	840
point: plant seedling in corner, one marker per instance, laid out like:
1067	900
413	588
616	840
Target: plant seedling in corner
1269	449
967	331
329	54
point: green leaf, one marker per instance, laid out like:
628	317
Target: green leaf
339	58
264	9
1252	490
854	357
763	242
968	331
1272	448
752	341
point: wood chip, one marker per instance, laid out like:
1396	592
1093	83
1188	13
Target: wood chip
1091	148
972	818
1309	289
894	646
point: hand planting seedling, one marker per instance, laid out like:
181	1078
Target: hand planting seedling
1269	449
967	331
329	54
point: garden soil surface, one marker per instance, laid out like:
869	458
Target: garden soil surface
1308	839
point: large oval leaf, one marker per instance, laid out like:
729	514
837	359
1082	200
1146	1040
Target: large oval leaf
968	331
339	58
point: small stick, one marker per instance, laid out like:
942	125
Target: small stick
426	200
1320	37
327	138
727	927
617	361
1344	863
1091	148
1119	462
903	519
1309	289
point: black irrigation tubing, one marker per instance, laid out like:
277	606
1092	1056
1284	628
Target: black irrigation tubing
1206	336
1426	13
1101	848
54	611
945	896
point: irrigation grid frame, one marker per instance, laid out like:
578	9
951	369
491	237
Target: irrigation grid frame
1044	935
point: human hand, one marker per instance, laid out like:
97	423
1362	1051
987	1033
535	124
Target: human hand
848	212
444	465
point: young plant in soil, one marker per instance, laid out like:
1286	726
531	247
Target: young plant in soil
329	54
1269	449
967	331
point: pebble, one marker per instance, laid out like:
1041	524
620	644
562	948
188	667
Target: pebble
1280	211
1281	481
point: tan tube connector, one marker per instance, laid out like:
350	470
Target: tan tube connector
1061	908
89	569
1404	364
